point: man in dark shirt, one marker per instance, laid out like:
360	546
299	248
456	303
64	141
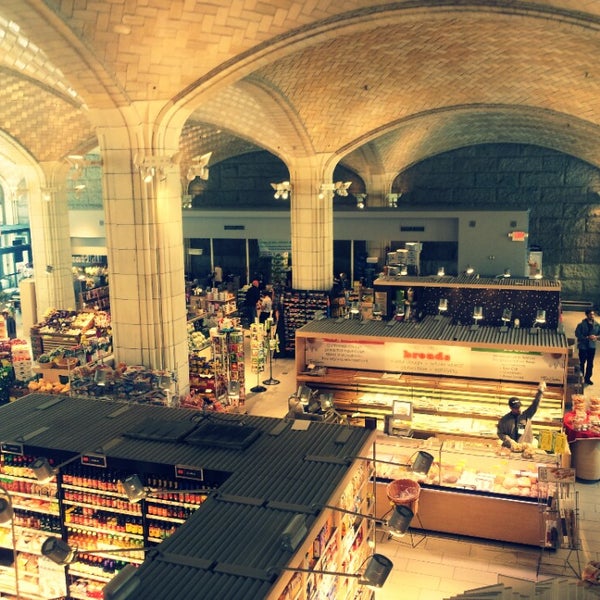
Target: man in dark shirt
11	325
512	425
587	332
251	299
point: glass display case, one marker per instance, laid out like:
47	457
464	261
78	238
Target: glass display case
442	406
473	488
482	466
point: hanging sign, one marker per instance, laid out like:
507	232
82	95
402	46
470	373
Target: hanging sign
436	359
94	460
187	472
273	247
11	448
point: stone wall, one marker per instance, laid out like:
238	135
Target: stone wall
561	192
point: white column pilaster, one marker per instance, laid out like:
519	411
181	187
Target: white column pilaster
143	223
51	240
311	226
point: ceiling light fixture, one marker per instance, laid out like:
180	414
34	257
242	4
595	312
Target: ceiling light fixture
392	200
199	167
150	166
339	188
282	190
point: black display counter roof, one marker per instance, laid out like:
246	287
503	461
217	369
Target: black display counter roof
523	283
268	471
440	330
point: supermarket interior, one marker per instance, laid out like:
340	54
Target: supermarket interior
296	298
486	551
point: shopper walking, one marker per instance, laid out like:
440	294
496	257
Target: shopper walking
266	307
587	332
251	300
515	426
11	325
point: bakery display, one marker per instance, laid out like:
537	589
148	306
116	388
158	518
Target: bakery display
466	465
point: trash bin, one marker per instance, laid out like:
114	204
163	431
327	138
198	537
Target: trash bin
404	492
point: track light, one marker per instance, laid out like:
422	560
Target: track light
477	316
149	174
540	319
400	520
135	490
392	200
44	471
376	571
59	552
295	531
442	307
7	514
420	462
101	376
6	507
150	166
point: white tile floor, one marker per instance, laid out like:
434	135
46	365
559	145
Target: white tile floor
442	566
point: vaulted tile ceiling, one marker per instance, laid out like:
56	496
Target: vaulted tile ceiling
381	85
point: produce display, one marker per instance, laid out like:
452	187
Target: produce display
70	330
134	383
65	321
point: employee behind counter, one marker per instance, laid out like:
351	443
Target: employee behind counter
515	426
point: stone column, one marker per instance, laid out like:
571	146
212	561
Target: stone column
143	221
51	240
311	225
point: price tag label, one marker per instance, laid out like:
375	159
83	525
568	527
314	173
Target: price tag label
94	460
187	472
11	448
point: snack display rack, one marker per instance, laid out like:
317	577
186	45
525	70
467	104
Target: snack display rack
88	507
